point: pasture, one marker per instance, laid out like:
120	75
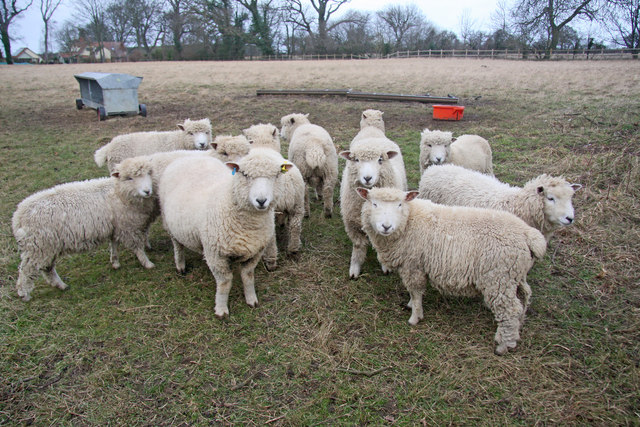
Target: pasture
137	347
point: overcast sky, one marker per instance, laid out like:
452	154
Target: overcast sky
27	31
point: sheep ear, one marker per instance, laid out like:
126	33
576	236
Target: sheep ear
453	140
250	141
115	174
364	116
233	166
410	195
345	155
540	190
275	132
292	120
284	168
306	115
214	145
576	187
181	126
363	192
391	154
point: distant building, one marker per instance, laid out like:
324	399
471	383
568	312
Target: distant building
27	55
83	51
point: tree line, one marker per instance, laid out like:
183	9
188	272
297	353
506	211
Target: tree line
233	29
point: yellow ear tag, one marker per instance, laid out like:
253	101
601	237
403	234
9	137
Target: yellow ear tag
283	169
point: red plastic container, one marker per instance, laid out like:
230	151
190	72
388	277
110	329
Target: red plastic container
448	112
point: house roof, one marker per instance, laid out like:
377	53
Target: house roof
25	52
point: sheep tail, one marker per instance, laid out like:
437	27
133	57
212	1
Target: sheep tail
315	156
536	242
100	156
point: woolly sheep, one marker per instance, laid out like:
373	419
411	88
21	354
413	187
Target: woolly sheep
372	118
311	149
227	148
263	135
469	151
227	215
369	164
543	203
290	205
460	251
192	135
78	216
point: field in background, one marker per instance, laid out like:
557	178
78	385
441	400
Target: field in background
143	347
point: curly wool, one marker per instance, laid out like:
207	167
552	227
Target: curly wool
311	149
263	135
372	118
78	216
142	143
462	252
392	174
206	208
454	185
227	148
469	151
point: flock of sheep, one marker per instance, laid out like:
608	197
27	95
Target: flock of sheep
464	232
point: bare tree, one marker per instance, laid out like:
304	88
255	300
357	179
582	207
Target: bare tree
316	22
146	22
67	36
47	9
400	20
622	20
118	20
551	16
467	27
176	19
93	12
9	10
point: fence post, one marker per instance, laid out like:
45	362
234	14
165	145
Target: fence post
441	53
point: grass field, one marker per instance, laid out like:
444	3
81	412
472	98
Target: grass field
136	347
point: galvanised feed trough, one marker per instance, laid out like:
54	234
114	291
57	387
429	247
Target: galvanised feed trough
110	94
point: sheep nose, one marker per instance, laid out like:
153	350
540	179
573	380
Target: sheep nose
147	192
386	227
367	179
438	159
261	202
569	219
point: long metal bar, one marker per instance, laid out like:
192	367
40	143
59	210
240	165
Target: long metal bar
361	95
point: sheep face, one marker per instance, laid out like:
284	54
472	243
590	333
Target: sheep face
557	204
367	165
372	118
256	176
199	131
230	148
435	147
133	180
289	122
388	209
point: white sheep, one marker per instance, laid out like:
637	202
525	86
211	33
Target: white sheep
543	203
227	148
469	151
311	149
461	252
78	216
372	118
225	212
263	135
369	164
192	135
290	200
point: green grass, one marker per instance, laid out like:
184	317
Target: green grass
139	347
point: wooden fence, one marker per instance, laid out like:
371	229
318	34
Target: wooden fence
559	54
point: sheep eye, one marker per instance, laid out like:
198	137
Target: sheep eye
224	154
356	160
400	205
380	160
551	199
375	205
129	179
190	133
244	174
429	145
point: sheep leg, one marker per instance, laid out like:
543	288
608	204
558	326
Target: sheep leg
178	256
385	269
270	255
415	284
224	277
358	255
507	311
248	281
525	291
51	276
143	258
327	196
294	230
113	254
27	274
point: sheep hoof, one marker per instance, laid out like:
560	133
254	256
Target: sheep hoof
221	314
270	265
25	298
500	349
328	214
61	285
182	271
294	255
115	265
253	305
149	265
